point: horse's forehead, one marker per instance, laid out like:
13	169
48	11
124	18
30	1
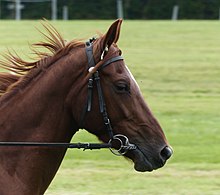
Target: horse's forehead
132	77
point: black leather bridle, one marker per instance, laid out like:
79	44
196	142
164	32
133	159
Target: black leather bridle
122	140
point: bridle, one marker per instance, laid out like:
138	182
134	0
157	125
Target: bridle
122	142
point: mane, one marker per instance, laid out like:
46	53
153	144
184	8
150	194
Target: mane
22	72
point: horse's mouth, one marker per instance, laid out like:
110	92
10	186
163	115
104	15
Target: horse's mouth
141	161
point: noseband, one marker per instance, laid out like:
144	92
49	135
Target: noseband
122	140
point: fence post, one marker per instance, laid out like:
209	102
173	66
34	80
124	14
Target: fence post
219	13
119	9
175	12
0	9
18	9
65	12
54	9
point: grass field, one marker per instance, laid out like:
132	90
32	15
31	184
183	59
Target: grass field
177	65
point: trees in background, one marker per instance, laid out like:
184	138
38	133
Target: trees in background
101	9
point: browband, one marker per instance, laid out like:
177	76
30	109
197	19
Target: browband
117	58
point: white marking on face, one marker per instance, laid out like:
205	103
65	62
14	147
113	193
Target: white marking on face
132	77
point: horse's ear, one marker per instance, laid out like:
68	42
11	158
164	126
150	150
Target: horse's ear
107	39
112	34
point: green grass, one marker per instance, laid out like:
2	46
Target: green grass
177	65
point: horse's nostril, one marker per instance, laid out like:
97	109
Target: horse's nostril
166	153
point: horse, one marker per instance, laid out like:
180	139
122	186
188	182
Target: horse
51	98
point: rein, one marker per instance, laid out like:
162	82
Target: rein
122	142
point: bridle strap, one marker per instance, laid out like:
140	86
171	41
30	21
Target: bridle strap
95	77
121	139
90	89
102	105
91	63
114	59
89	53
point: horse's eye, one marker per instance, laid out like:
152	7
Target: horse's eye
122	87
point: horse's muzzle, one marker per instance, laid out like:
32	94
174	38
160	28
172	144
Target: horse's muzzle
144	162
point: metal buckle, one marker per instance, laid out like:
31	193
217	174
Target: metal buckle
124	145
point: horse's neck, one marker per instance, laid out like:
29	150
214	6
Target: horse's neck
36	113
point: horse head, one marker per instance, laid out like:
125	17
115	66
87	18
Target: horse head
129	114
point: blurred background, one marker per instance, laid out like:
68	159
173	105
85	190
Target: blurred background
99	9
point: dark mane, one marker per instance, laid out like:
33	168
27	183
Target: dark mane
21	71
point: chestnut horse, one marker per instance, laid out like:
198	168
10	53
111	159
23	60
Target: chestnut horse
48	100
